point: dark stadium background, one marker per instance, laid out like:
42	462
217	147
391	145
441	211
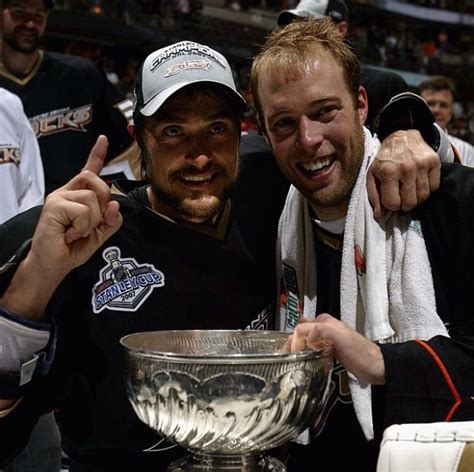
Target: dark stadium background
416	37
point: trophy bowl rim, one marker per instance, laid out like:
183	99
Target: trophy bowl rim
130	346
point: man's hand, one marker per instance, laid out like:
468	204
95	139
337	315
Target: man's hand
360	356
404	173
75	221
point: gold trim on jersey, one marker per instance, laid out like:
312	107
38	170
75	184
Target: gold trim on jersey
24	80
328	239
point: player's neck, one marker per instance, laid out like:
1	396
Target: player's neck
20	64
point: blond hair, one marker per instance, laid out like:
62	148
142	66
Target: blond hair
288	51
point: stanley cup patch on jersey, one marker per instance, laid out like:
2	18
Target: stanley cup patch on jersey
124	284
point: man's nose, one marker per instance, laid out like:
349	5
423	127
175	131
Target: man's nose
309	133
435	108
198	151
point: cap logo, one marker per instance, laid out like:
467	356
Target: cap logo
185	49
185	65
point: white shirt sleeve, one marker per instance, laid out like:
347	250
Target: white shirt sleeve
465	150
21	167
31	170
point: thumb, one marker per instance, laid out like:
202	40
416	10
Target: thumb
97	156
112	220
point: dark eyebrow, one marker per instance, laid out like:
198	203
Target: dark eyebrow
166	115
169	115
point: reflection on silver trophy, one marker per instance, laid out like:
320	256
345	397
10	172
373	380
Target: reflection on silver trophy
225	396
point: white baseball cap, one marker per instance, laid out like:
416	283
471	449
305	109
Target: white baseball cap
173	67
336	9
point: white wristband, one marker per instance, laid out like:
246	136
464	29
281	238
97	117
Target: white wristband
19	343
445	150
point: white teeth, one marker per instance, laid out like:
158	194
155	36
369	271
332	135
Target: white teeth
196	178
319	164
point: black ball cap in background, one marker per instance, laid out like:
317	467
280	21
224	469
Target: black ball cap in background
407	110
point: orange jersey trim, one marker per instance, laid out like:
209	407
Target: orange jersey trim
446	376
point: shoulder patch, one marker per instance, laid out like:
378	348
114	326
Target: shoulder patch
124	284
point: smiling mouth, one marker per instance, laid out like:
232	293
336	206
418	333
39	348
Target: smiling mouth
315	167
26	34
198	180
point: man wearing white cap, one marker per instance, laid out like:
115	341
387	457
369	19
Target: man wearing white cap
380	85
185	249
186	256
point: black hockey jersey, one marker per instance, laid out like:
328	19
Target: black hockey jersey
69	102
152	274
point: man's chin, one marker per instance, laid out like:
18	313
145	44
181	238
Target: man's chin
200	211
25	47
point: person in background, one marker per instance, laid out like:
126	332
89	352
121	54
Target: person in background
380	85
390	300
439	93
68	100
21	170
198	231
22	183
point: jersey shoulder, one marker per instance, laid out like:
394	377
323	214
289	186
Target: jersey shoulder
73	67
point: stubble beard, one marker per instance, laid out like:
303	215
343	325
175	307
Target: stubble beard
196	207
340	197
199	209
17	45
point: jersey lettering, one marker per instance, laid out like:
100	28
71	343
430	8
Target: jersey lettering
57	121
10	155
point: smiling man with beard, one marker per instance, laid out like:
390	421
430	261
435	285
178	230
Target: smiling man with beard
389	300
189	254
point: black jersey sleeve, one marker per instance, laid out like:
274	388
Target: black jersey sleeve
15	235
432	379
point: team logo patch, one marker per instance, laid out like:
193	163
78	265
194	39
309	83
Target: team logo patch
187	65
123	283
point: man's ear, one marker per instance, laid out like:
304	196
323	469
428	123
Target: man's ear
342	28
362	105
131	129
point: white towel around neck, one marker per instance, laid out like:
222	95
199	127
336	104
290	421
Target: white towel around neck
388	298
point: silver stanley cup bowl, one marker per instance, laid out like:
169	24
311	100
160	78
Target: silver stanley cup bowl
225	396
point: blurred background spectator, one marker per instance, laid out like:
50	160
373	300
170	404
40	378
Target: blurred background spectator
415	39
440	94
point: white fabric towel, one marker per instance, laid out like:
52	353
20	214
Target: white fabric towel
387	289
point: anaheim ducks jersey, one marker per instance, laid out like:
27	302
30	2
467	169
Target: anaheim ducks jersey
153	274
69	102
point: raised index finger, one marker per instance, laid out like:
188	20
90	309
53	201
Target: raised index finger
97	156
